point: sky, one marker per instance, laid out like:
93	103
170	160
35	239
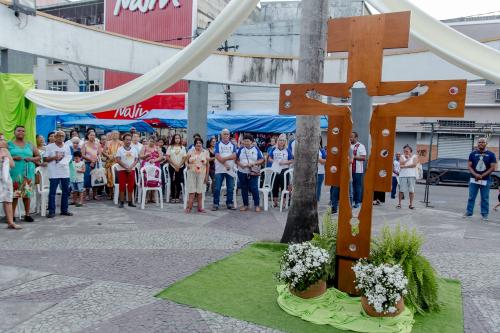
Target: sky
443	9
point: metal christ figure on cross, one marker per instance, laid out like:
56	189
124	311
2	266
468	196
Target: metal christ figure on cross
365	38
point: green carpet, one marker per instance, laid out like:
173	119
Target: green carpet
242	286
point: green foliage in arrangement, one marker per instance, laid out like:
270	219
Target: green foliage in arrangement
327	240
402	246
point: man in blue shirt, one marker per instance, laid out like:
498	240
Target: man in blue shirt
482	163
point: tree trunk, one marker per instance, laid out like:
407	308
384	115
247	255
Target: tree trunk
302	218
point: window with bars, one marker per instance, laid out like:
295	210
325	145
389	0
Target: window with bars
57	85
93	85
457	123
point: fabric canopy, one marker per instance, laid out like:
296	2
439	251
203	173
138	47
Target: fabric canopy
156	80
47	119
112	124
14	108
446	42
235	121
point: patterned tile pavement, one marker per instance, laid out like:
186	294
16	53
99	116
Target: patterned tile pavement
99	270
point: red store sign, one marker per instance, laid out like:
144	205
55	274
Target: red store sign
163	21
158	102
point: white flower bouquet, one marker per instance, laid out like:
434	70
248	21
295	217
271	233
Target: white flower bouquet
383	286
303	265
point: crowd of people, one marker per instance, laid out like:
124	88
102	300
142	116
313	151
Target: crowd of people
88	169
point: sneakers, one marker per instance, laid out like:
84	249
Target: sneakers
466	215
231	207
50	215
215	208
485	218
67	214
28	218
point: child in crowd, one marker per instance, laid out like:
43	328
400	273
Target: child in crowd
77	178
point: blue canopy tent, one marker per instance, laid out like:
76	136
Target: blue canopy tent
113	124
235	121
47	119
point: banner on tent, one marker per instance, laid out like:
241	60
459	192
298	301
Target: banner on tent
166	102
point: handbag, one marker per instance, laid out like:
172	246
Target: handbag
98	175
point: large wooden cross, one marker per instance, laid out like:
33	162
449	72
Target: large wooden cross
365	38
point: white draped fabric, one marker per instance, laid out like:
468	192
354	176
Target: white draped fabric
447	43
156	80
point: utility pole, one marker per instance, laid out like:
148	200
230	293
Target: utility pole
302	220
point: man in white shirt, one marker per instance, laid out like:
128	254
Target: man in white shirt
358	168
127	158
58	157
225	155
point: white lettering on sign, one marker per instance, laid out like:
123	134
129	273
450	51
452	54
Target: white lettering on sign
130	112
143	5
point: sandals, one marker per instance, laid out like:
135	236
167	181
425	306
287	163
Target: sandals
243	209
201	210
411	207
14	226
398	206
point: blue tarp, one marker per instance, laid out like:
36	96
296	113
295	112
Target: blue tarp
47	119
113	124
235	121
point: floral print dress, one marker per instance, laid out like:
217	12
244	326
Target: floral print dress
23	173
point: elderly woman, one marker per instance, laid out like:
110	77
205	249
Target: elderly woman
281	158
6	191
197	174
109	152
40	145
407	175
25	155
91	152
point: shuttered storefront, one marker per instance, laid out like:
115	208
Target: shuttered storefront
454	146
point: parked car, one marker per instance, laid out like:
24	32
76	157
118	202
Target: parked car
453	170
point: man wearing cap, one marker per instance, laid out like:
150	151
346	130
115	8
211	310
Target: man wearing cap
58	157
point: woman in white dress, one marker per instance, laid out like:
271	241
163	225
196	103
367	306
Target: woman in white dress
6	189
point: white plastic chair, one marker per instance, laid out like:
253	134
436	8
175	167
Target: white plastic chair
42	191
285	191
224	188
116	192
150	173
166	181
267	185
185	194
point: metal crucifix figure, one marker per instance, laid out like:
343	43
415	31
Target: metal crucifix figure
365	38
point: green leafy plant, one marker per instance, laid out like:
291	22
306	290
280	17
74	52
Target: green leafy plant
401	246
327	240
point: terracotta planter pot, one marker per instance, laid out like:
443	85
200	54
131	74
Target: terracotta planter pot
400	306
315	290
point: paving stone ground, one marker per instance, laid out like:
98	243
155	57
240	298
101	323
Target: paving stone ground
99	270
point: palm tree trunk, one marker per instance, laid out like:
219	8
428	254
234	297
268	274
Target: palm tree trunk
302	219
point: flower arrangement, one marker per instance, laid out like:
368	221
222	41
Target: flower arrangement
383	286
303	265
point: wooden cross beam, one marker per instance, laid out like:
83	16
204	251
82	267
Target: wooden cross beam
365	38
